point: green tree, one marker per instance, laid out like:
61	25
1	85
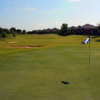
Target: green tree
13	31
24	32
19	31
98	28
64	30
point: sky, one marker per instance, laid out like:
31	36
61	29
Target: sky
42	14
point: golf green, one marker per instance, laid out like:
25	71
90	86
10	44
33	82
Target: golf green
55	68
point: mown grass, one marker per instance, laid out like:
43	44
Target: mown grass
36	73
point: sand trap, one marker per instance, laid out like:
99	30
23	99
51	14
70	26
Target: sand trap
25	46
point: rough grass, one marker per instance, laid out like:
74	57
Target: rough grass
37	73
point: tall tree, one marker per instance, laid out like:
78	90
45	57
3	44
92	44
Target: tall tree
24	32
98	28
13	31
64	30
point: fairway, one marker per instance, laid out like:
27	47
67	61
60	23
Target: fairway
36	73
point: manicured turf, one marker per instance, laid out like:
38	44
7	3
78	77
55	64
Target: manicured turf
37	73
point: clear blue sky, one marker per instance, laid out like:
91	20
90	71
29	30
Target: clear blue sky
40	14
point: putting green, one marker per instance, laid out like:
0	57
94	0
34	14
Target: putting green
39	73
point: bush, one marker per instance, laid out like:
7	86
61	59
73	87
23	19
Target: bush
4	35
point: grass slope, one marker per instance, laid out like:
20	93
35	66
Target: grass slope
36	73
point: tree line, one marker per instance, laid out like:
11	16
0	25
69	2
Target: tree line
12	32
64	31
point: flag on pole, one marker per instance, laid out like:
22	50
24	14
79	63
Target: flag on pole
87	40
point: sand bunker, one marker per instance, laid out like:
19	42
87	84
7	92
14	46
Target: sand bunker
25	46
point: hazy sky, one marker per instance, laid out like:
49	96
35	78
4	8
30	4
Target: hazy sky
40	14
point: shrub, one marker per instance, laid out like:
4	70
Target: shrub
4	35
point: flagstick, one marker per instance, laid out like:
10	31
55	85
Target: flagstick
89	60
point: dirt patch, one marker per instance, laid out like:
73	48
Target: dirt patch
25	46
12	42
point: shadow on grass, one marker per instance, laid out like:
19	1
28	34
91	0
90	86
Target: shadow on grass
65	83
98	40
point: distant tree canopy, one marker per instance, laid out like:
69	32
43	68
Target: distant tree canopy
45	31
12	29
64	31
19	31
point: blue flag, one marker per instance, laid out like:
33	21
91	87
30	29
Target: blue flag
87	40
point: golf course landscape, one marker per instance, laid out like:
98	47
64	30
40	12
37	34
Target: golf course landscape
49	67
